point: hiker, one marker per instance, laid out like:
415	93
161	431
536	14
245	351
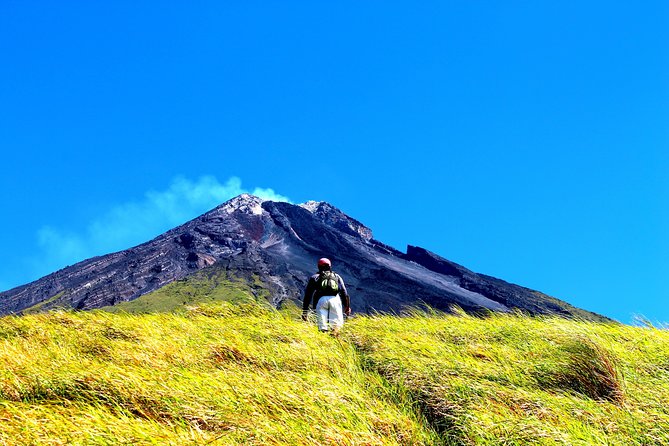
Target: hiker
327	293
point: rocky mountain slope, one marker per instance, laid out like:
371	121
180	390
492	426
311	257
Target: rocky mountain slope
277	244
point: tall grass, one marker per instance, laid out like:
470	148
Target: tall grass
231	374
508	379
223	374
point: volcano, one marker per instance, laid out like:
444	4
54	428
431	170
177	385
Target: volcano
276	245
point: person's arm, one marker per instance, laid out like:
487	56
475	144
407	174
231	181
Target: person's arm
343	294
308	293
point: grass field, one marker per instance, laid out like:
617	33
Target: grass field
223	373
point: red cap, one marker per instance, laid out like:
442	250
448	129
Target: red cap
324	262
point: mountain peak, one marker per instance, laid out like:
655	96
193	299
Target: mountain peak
246	203
334	217
312	206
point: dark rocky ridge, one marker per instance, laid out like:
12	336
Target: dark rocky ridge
280	243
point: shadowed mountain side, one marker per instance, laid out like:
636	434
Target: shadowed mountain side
277	245
508	294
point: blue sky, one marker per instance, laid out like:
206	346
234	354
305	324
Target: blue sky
525	140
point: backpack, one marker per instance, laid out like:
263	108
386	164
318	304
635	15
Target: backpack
328	283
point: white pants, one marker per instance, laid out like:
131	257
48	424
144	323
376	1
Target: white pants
329	313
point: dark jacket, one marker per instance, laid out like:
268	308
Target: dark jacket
312	293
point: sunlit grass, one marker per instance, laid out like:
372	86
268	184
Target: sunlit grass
233	375
245	374
509	379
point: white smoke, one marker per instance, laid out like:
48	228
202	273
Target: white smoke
129	224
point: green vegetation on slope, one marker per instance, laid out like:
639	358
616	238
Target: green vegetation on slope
41	305
245	374
205	286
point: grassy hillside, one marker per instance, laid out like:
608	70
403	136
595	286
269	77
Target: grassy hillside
213	284
243	374
517	380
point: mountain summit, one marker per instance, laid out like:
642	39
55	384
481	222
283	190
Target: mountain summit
274	246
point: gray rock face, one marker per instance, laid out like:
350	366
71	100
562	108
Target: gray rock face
280	244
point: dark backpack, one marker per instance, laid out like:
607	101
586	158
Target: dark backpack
328	283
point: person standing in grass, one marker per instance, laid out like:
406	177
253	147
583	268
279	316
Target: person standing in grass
326	293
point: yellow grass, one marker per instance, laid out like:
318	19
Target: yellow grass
230	374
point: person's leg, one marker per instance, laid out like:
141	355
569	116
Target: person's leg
322	310
336	318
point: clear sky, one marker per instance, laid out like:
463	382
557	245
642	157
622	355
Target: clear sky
526	140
